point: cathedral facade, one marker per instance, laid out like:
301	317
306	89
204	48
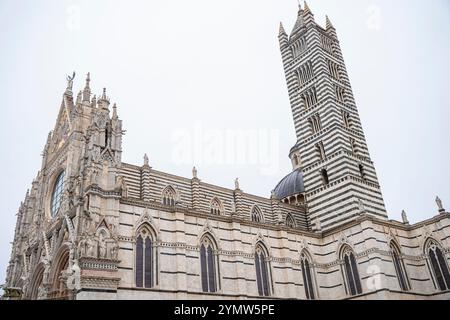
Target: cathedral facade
94	227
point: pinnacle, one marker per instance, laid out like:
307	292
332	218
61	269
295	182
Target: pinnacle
282	31
329	25
307	8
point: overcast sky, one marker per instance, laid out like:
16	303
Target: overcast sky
189	75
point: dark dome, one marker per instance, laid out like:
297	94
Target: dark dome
291	185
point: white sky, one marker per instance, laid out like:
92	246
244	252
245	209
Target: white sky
176	66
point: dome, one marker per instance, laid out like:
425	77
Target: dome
291	185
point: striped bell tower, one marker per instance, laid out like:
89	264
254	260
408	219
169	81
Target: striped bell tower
339	177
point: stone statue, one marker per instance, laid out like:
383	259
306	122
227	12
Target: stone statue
146	161
74	278
102	247
42	293
194	173
114	250
236	184
439	204
91	247
70	81
318	225
273	195
404	217
82	248
46	262
94	177
119	183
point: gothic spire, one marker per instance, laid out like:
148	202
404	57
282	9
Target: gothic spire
307	10
87	89
307	14
329	25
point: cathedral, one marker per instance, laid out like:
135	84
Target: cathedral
94	227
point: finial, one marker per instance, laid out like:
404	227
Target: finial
404	217
194	172
79	97
104	100
146	161
115	111
440	205
87	89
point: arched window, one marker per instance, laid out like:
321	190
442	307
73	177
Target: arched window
290	222
262	271
257	215
439	265
308	280
324	174
351	274
320	151
145	268
353	145
169	196
208	262
216	207
399	267
346	119
57	194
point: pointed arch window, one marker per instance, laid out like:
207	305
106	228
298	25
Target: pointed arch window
315	123
208	262
290	222
216	207
308	280
145	263
262	271
57	194
346	118
399	267
351	274
257	215
353	146
320	149
169	196
439	265
340	94
324	174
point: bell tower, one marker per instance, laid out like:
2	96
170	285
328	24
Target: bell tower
340	181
